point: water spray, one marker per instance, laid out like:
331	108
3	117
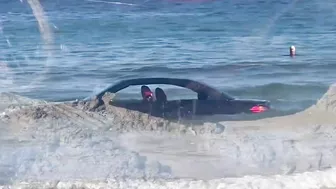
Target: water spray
46	34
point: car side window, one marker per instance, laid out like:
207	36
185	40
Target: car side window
202	96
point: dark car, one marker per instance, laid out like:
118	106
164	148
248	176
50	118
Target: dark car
210	101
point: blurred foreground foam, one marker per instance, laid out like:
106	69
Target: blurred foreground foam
311	180
40	121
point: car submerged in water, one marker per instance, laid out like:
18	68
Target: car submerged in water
210	101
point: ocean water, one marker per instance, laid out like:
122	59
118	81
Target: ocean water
239	46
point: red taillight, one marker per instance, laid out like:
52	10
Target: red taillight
258	109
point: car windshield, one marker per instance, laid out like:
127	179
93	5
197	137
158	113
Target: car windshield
172	92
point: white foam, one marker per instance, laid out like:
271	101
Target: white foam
79	148
94	157
311	180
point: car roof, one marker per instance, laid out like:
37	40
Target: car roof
193	85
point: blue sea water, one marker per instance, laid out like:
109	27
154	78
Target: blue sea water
239	46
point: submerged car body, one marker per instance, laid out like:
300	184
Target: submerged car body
210	101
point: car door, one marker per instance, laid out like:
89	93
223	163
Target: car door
225	106
212	107
205	107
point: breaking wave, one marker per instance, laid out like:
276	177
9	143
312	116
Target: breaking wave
66	144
